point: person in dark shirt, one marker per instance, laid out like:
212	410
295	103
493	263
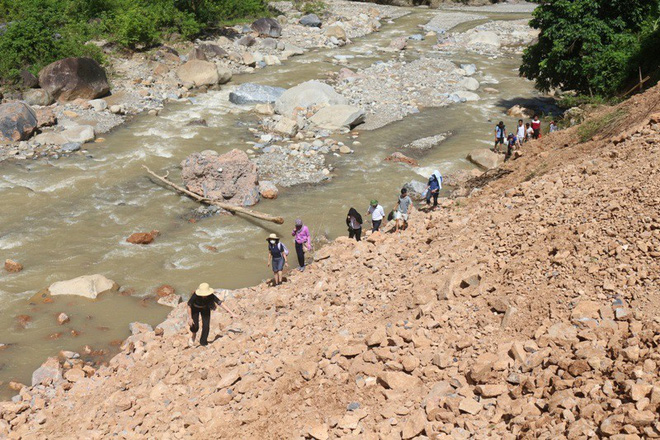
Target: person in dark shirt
201	303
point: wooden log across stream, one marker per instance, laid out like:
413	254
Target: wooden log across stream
231	208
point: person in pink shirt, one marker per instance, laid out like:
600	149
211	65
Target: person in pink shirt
303	240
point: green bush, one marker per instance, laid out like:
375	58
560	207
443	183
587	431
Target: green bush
592	46
39	32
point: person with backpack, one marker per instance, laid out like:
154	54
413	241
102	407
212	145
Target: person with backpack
536	126
500	134
377	214
277	257
433	188
303	240
354	223
402	210
201	303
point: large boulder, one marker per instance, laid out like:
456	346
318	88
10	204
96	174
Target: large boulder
73	78
17	121
89	286
427	143
305	95
416	189
464	95
311	20
230	178
49	372
485	158
337	117
202	73
336	31
251	93
267	27
487	38
469	84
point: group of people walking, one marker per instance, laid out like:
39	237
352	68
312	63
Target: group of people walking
524	132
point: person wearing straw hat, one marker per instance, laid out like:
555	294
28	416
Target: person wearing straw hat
202	301
277	257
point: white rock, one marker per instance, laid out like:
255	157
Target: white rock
469	84
80	133
307	94
336	117
98	104
89	286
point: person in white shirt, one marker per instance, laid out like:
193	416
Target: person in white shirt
520	134
377	213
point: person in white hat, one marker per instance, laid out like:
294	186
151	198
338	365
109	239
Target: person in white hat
277	257
201	303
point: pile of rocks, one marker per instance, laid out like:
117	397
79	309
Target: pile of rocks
529	309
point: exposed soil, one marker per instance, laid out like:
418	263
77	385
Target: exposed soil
528	310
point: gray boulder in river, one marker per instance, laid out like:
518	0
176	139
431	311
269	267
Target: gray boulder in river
251	93
230	178
305	95
337	117
73	78
267	27
415	189
17	121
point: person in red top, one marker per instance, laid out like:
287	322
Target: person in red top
536	126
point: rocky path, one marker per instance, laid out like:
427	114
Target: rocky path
527	310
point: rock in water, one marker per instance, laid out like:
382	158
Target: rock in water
311	20
17	121
141	238
268	190
267	27
89	286
485	158
307	94
12	266
487	38
198	72
251	93
230	178
401	158
336	31
427	143
73	78
337	117
469	84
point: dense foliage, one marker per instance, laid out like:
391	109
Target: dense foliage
595	47
34	33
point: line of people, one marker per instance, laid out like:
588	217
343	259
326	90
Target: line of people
524	133
204	300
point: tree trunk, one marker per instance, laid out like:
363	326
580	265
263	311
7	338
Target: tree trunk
231	208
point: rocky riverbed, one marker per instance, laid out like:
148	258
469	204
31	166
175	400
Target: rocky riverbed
146	81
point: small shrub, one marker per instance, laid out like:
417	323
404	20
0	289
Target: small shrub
592	127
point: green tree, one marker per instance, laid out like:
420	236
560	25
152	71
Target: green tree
588	45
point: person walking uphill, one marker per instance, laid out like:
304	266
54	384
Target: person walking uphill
402	210
202	302
433	188
277	257
303	240
377	213
354	223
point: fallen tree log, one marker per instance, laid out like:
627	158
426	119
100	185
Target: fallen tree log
231	208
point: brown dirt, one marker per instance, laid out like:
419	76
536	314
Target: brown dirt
528	310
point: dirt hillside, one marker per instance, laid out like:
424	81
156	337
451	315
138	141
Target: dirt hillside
529	309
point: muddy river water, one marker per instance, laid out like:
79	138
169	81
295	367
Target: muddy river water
70	217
